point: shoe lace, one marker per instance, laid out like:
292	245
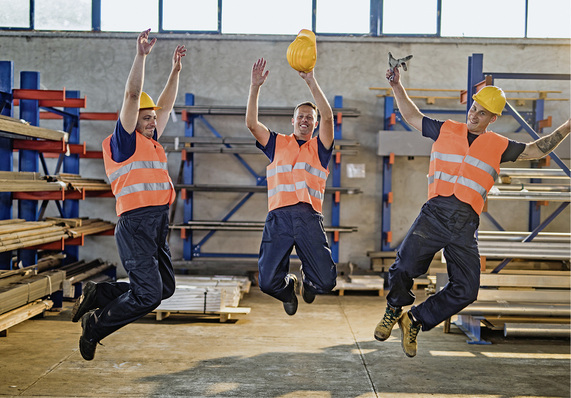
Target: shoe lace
414	329
389	318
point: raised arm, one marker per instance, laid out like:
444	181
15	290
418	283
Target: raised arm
326	122
407	108
258	130
168	96
134	86
544	145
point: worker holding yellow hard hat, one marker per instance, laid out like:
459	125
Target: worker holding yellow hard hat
296	179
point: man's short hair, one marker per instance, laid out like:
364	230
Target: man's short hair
306	103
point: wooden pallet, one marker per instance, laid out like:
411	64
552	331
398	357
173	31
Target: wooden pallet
360	282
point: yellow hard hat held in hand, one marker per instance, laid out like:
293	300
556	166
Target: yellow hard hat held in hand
302	52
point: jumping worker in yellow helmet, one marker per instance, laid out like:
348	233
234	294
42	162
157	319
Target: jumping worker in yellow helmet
136	166
464	164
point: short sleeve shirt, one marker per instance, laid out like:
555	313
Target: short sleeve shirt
123	144
431	129
270	149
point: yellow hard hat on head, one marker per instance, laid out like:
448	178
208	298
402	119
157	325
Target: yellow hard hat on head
492	98
146	102
302	52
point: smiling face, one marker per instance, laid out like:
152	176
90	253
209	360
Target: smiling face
147	122
478	119
304	122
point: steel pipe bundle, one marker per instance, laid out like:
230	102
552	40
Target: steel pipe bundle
537	329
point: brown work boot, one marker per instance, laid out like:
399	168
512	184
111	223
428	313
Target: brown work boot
409	330
385	326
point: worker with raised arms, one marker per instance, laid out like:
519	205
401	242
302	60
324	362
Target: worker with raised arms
136	166
464	164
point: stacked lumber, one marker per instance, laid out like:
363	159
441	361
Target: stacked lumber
80	271
23	181
23	313
77	183
28	289
23	128
18	234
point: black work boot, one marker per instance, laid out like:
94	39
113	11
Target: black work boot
290	307
85	302
385	326
86	346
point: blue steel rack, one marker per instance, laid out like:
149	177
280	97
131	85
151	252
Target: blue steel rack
191	249
30	160
476	79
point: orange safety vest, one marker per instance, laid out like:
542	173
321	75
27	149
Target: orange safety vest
465	171
143	179
296	174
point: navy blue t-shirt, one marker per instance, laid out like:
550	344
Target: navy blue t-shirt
431	129
123	144
270	149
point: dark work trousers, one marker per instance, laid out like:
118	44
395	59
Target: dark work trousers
443	223
141	240
298	226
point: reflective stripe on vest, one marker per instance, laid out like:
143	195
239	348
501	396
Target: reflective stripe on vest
468	172
295	175
143	179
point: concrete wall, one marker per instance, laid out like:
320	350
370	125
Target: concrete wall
217	71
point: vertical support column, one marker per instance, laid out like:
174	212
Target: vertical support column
188	179
28	160
475	76
535	207
389	110
71	165
386	234
336	180
6	157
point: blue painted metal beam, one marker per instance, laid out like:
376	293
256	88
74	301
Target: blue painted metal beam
6	147
28	160
71	165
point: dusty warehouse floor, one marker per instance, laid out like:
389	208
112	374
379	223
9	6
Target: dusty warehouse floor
326	350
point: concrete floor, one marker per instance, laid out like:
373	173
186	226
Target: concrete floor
326	350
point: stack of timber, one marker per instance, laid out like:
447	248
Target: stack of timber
19	234
23	181
206	296
80	271
20	128
77	183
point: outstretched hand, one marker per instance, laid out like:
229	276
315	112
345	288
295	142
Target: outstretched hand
179	52
144	46
393	76
258	74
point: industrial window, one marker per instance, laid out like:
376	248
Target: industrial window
129	16
549	18
342	16
265	17
399	19
486	18
190	15
437	18
14	14
62	15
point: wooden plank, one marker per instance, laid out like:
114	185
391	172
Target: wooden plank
23	313
525	280
22	128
